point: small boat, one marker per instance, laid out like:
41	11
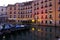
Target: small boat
19	27
1	28
6	28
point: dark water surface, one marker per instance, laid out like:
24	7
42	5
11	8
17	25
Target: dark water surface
35	34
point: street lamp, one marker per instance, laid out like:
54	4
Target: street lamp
33	21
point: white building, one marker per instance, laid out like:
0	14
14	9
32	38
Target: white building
3	14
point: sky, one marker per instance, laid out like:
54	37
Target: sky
6	2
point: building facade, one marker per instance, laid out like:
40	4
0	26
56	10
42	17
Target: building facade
13	12
48	12
20	11
44	12
3	14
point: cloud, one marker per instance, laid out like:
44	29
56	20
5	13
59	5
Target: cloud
6	2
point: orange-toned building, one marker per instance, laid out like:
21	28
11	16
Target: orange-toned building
49	12
20	11
45	12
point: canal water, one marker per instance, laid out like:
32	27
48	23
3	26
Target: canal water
37	33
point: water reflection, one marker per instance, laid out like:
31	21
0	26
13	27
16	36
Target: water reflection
39	33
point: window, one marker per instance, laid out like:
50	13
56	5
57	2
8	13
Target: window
37	3
1	9
46	17
59	2
37	8
59	15
46	5
10	16
46	21
18	16
31	16
50	22
42	12
50	10
46	11
10	8
18	4
34	8
37	13
6	13
18	8
41	21
59	9
45	0
50	4
41	6
21	16
14	16
14	8
10	12
41	2
50	16
34	4
27	16
18	20
29	11
15	12
18	12
48	29
59	21
50	0
41	17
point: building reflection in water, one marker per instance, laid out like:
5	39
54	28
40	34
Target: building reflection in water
36	33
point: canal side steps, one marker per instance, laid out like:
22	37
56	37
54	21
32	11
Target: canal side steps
7	28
